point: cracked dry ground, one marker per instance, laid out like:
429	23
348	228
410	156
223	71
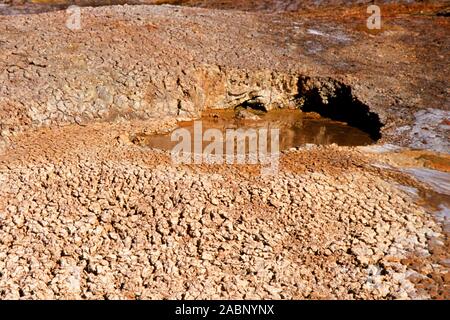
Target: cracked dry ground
92	216
87	214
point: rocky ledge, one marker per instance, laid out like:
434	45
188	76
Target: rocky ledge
150	61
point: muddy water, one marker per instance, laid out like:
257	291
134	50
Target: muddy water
296	129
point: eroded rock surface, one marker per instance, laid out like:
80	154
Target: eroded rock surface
147	61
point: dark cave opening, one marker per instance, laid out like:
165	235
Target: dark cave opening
253	105
340	105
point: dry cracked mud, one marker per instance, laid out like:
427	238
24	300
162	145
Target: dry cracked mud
87	212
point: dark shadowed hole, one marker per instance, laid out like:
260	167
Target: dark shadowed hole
343	107
253	105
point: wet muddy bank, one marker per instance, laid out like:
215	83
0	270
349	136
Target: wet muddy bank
429	189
